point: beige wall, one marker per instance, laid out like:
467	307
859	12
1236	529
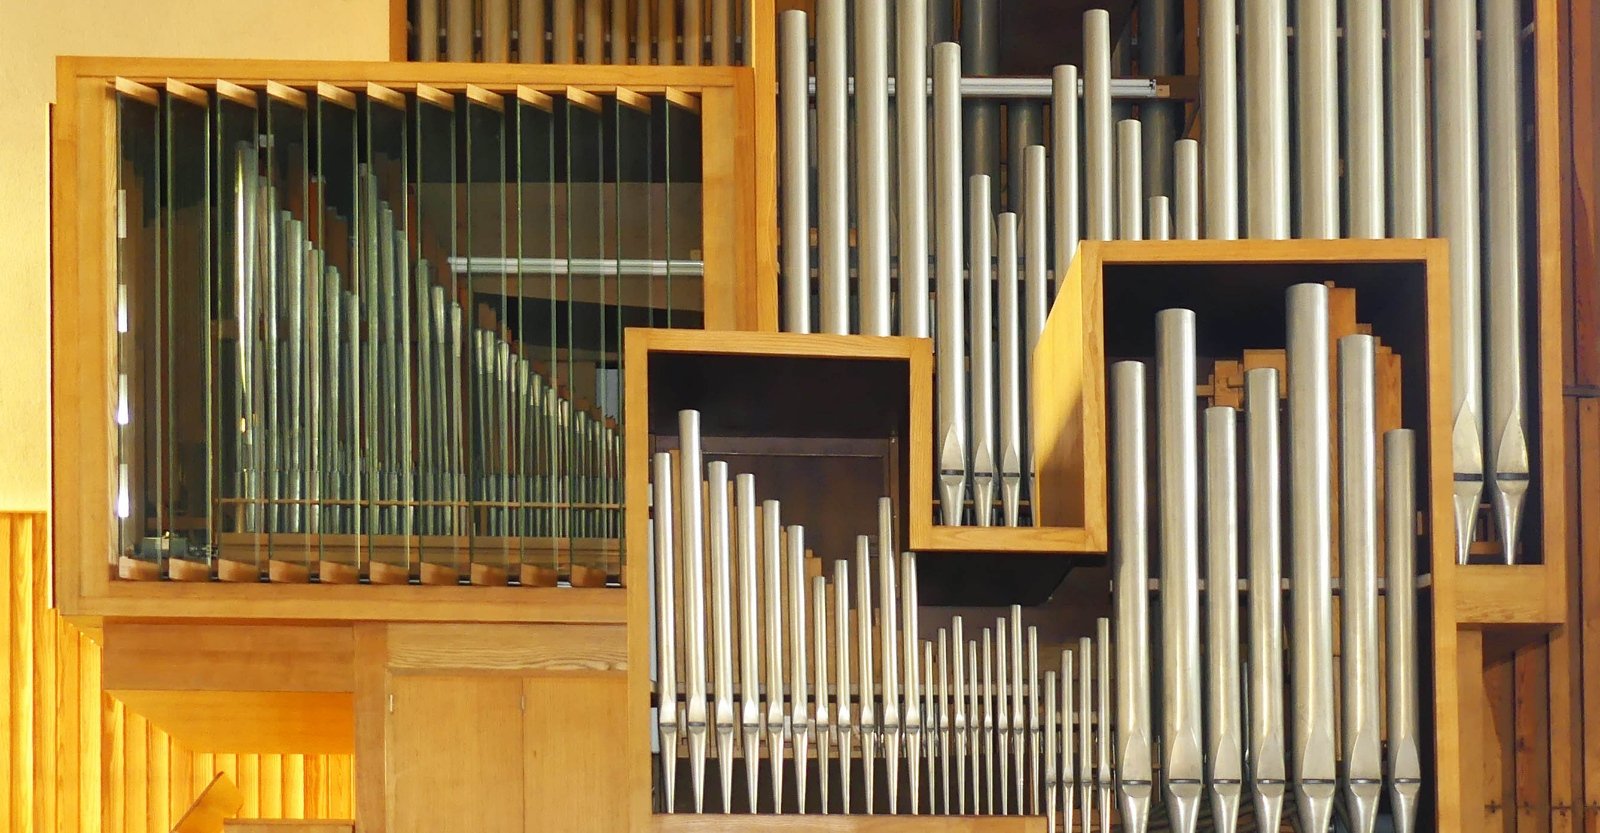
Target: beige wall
32	33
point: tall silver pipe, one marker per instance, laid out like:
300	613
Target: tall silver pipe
930	726
1130	200
1455	138
1099	152
666	576
1408	119
1186	194
427	30
1400	546
980	45
1010	367
1363	116
744	487
1104	776
717	522
795	102
777	720
458	30
1160	48
1002	718
1176	455
980	266
697	722
841	639
1310	531
1086	730
1362	746
1036	296
801	718
1068	771
694	43
825	730
1019	726
1317	104
975	724
1159	221
1219	94
721	32
869	720
1035	726
951	346
872	164
594	32
833	183
564	31
959	720
945	723
889	714
1263	502
1503	128
987	693
911	716
531	31
1130	555
496	31
1224	738
911	111
1052	775
1064	179
1266	137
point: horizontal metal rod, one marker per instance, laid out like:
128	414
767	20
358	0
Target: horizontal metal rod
1031	87
577	266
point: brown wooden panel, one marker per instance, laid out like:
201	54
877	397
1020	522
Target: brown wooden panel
515	649
228	658
287	826
451	737
250	721
573	747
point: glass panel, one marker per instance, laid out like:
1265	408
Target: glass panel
331	263
486	268
139	503
537	282
284	195
586	219
386	203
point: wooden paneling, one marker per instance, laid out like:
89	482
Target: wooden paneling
683	823
287	826
229	658
451	737
251	721
508	648
572	747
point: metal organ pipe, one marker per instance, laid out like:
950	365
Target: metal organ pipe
833	218
793	79
872	165
911	110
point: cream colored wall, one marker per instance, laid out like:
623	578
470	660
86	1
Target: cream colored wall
32	34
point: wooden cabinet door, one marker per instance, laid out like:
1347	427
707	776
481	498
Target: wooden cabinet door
575	753
456	754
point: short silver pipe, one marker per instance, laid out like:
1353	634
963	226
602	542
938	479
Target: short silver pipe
1224	736
1159	221
777	719
1317	105
563	30
801	718
1363	117
889	682
911	112
868	675
988	750
1099	152
1408	119
1105	777
980	55
749	553
1455	154
911	716
1130	559
946	723
975	725
1010	371
1186	194
1400	607
833	182
1019	727
1086	729
717	522
663	542
1177	453
959	721
1310	531
841	639
694	42
690	493
427	26
1036	296
1263	501
459	27
1361	744
871	37
1266	88
1130	189
1509	471
1052	775
1064	174
826	731
1035	727
1002	718
980	265
1219	94
1069	716
950	348
496	31
795	106
594	34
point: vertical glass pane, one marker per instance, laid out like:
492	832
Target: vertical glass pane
332	257
139	507
284	194
435	195
586	223
387	250
486	268
537	277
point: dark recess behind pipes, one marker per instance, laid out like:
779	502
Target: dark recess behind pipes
1040	34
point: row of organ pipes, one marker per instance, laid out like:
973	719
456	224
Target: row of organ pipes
774	683
643	32
994	275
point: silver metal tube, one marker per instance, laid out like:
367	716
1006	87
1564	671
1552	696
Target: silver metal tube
1010	378
1317	104
945	724
530	31
911	716
975	725
314	277
1039	88
294	397
911	110
1186	192
722	37
1455	136
1130	188
951	346
1224	735
980	44
594	31
1064	179
980	266
1408	119
1176	455
888	620
930	726
872	165
825	729
1310	531
1086	730
1159	222
1099	153
833	210
1219	92
1069	771
987	691
618	18
694	42
1130	559
841	639
694	578
458	30
1363	116
744	507
427	30
795	103
666	575
801	719
1019	725
1266	93
1002	722
1102	706
1024	128
1034	725
1036	297
1264	544
1400	546
496	31
1052	775
869	720
1507	443
1361	743
564	31
721	623
959	721
778	727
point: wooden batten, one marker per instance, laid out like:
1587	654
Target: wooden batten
188	92
480	96
236	93
286	94
335	94
137	91
386	96
535	98
683	99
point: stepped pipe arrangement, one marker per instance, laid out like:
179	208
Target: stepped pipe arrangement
1096	737
642	32
351	344
1118	178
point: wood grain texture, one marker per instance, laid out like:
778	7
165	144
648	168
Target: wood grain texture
571	736
519	649
251	721
287	826
228	658
450	737
848	824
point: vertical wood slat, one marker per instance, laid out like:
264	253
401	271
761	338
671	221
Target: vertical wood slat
1531	754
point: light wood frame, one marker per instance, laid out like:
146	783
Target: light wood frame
83	292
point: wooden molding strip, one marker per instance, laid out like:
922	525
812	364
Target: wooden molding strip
534	98
336	95
286	94
584	99
683	99
637	100
237	93
387	97
137	91
188	92
437	97
483	97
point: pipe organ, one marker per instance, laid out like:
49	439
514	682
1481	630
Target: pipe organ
643	32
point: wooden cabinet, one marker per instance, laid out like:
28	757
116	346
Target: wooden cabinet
455	756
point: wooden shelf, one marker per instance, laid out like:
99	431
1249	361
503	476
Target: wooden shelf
687	823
